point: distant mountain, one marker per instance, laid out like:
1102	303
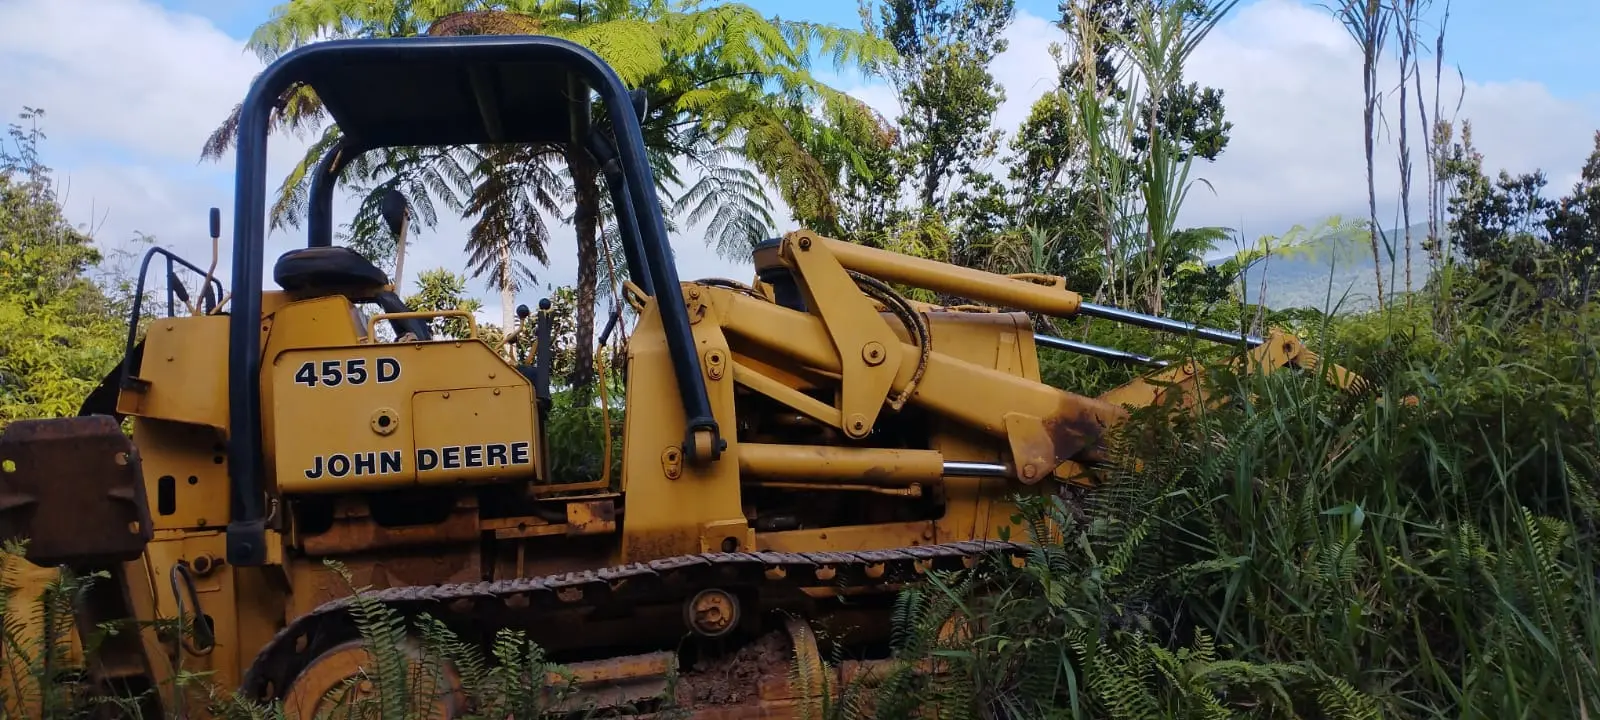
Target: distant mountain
1335	272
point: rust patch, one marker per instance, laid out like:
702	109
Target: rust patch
1078	425
74	489
591	517
644	546
355	531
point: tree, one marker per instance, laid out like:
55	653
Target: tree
1103	159
1507	225
439	289
942	75
907	186
60	331
724	84
1367	21
1573	223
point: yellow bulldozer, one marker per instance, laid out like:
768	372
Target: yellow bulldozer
794	450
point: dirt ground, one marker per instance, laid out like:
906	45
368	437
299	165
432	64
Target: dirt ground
738	678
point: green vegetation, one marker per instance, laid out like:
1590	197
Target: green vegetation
1421	546
60	330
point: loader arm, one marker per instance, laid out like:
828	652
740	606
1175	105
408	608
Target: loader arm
1048	295
1280	350
858	339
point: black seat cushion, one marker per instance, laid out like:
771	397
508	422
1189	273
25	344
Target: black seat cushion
341	267
305	268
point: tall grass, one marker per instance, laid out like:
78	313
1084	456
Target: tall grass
1315	552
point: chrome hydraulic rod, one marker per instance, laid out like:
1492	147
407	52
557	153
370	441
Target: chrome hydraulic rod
964	468
1104	353
1005	291
1153	322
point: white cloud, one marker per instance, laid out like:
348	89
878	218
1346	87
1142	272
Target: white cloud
128	74
1292	82
132	91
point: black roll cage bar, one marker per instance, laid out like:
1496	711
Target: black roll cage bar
628	177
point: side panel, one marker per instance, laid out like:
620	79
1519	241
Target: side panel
186	474
474	435
186	367
976	508
369	416
288	324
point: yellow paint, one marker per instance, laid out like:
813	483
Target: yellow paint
352	415
666	516
185	474
184	369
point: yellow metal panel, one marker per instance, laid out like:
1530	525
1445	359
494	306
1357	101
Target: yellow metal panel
475	434
345	417
976	508
218	600
318	322
675	515
289	324
186	367
185	474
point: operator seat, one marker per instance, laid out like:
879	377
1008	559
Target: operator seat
313	268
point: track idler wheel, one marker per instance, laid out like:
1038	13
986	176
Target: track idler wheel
344	679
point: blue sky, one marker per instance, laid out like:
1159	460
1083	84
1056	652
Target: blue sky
132	88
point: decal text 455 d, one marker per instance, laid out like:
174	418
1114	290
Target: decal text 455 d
354	371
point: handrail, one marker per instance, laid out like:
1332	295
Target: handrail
372	322
210	301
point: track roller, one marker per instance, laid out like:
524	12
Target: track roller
712	612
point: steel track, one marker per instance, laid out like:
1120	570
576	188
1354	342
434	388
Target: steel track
669	579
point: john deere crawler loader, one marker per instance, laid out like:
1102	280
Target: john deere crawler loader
794	449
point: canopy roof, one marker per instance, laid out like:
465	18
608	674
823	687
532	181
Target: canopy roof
442	91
